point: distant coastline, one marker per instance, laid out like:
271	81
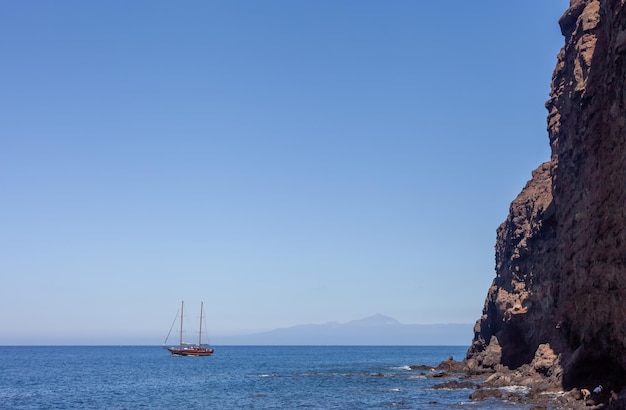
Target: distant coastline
377	330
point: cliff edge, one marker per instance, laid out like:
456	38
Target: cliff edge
558	302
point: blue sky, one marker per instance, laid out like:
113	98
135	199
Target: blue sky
285	162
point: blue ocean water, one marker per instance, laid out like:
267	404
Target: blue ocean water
235	377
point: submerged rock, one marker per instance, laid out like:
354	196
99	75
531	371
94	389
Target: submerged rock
484	394
455	384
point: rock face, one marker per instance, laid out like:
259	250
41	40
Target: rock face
560	283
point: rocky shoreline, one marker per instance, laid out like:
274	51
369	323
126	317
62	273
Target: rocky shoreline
526	385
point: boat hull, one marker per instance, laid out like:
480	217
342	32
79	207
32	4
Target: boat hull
190	351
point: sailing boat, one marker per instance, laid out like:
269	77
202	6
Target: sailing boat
189	349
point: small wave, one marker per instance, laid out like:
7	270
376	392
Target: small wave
553	394
515	389
418	376
405	367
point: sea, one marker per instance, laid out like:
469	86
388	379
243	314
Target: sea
235	377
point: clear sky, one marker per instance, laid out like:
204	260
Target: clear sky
286	162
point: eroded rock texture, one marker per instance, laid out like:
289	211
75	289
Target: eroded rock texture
561	253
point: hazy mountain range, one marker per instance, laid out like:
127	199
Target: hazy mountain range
373	330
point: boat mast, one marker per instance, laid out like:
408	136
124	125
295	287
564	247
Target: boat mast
200	336
182	306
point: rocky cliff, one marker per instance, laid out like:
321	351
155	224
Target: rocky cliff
558	302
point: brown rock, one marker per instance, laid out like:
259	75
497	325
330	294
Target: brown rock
452	366
546	361
484	394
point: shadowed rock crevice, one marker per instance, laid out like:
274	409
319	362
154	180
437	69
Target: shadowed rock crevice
592	370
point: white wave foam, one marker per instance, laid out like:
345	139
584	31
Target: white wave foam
515	389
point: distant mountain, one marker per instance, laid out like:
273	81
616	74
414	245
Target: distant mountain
373	330
375	320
